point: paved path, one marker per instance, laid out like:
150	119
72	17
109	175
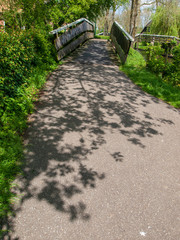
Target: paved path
102	160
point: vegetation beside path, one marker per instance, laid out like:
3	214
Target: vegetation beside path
26	59
136	69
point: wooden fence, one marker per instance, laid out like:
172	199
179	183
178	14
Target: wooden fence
121	40
70	36
152	38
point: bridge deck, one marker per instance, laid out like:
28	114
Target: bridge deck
102	158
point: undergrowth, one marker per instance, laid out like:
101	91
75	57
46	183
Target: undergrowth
135	68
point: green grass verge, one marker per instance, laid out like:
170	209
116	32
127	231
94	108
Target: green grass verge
13	121
135	69
102	37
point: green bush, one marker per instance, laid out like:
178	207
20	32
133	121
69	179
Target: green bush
16	60
43	47
20	52
155	60
173	70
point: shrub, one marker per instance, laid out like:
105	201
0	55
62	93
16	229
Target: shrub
20	52
43	46
155	60
16	60
173	70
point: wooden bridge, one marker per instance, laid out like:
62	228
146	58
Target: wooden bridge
72	35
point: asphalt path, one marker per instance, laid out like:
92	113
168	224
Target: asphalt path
102	158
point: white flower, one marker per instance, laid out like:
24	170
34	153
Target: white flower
143	234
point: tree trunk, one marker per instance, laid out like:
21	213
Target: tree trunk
113	14
136	11
131	17
106	25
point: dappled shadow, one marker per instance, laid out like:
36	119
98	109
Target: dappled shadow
85	100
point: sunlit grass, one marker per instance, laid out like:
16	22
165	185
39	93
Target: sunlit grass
102	37
135	69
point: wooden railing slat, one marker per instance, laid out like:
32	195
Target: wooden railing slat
73	45
72	33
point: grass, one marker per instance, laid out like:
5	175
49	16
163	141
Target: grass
142	46
102	37
135	69
13	121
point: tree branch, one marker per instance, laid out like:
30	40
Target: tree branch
147	3
150	3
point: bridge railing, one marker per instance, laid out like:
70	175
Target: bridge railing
70	36
121	40
151	38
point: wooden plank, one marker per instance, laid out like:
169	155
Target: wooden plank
73	45
68	36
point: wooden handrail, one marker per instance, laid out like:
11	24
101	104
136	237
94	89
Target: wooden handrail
124	31
70	25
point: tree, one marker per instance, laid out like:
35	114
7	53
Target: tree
135	10
41	12
109	15
166	20
115	5
10	12
106	24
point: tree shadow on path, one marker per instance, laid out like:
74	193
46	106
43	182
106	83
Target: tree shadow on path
84	101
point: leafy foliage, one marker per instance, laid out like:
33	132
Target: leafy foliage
16	58
172	72
157	62
166	20
53	12
20	52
